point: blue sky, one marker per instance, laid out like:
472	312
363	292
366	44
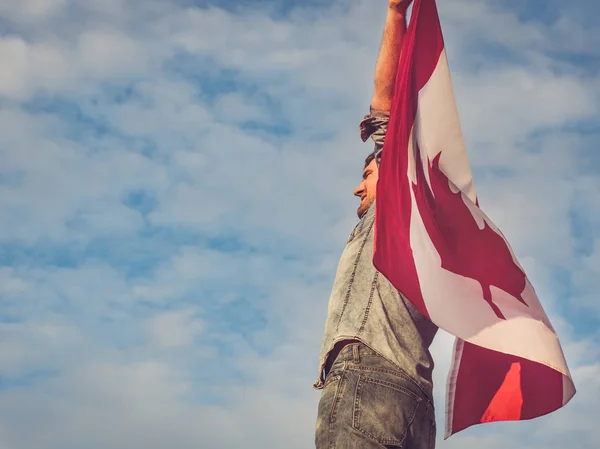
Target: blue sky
176	187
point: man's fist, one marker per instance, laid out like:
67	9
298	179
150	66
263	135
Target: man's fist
399	5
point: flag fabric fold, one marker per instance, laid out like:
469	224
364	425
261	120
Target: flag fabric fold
439	249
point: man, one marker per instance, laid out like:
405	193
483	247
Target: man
375	366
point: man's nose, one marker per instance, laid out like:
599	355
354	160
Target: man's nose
358	191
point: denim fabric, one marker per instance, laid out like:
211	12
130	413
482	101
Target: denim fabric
365	306
385	400
375	126
368	403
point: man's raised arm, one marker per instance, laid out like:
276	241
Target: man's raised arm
389	54
375	124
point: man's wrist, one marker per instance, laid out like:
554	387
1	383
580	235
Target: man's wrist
396	16
398	7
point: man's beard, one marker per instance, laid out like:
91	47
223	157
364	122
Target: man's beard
364	206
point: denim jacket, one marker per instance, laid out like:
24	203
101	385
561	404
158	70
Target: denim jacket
365	306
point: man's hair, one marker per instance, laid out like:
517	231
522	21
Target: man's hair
369	159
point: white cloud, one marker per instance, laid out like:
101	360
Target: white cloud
30	66
31	10
104	52
174	329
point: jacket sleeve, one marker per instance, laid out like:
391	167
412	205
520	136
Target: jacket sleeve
375	126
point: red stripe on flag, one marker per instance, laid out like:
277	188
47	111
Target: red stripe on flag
392	254
492	386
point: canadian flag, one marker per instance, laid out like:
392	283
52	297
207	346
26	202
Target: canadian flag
438	248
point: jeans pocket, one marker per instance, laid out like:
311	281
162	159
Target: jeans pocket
331	377
432	428
383	410
328	405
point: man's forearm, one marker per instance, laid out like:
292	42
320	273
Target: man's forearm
389	55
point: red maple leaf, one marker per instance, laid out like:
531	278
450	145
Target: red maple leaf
464	248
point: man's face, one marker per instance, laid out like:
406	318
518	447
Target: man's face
367	189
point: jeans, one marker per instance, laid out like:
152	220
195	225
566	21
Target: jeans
367	402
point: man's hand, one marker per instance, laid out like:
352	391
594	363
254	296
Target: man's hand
399	5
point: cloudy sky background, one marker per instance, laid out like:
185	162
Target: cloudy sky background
176	187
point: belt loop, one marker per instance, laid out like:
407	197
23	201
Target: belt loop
355	353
